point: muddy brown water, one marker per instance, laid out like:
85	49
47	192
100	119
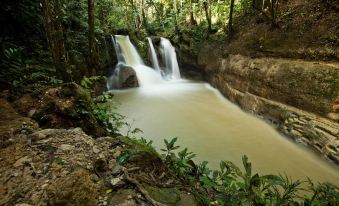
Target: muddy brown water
216	129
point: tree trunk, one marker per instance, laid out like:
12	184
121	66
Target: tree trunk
192	20
230	21
49	30
55	38
144	20
274	8
207	17
93	56
60	42
176	27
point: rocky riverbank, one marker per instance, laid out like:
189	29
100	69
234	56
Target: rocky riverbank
57	166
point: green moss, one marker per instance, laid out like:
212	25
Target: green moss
168	196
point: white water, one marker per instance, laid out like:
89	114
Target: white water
154	55
128	56
129	52
146	76
170	59
118	52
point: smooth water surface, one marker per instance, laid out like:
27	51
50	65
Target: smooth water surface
215	129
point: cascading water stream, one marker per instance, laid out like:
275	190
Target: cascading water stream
170	59
128	51
128	57
120	58
154	55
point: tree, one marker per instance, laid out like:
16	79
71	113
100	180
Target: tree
143	16
208	16
192	20
93	55
55	37
230	21
273	11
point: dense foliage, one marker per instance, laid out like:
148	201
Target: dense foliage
40	34
232	186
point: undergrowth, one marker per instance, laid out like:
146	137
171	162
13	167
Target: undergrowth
230	185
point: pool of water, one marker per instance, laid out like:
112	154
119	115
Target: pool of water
216	129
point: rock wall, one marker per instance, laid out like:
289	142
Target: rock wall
300	98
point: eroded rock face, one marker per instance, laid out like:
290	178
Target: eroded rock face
310	86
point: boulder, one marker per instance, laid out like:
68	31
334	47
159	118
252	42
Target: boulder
127	77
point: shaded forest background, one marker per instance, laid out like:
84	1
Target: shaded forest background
55	41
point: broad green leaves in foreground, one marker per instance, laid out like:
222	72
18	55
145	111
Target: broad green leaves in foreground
232	186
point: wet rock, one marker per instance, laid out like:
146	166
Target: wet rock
127	77
167	196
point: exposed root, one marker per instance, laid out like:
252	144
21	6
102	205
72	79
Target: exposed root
141	190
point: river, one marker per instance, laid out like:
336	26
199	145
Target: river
215	129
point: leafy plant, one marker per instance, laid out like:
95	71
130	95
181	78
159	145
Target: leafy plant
104	112
86	82
169	148
322	194
231	186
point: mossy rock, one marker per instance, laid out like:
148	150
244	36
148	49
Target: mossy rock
68	106
171	196
168	196
75	90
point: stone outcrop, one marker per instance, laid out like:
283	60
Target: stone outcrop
300	98
128	77
123	77
310	86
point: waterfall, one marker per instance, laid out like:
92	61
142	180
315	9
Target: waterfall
154	55
128	57
170	59
128	51
117	51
